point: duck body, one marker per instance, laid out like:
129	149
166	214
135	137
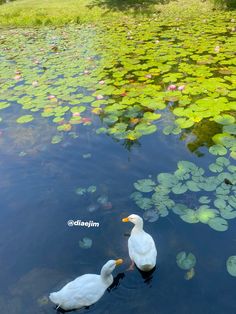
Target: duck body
141	246
86	289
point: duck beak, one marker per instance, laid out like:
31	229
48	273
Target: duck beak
125	219
119	261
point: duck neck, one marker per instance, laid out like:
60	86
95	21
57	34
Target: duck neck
138	227
106	277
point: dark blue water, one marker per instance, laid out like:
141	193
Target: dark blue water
39	253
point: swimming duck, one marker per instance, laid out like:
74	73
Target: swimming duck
142	249
86	289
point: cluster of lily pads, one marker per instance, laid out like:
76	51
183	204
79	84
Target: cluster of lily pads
186	262
191	194
73	75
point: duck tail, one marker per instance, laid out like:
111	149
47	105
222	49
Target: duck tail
147	267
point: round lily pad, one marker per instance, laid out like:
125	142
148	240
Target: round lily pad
231	265
205	214
185	261
150	215
218	224
25	119
56	139
224	119
92	189
80	191
217	150
144	185
85	243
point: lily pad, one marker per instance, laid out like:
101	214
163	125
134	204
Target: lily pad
80	191
144	185
56	139
217	150
150	215
25	119
218	224
92	189
185	261
231	265
224	119
85	243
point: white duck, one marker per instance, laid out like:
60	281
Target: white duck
142	249
85	290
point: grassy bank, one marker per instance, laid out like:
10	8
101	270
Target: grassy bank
60	12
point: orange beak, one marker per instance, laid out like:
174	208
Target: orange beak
125	219
119	261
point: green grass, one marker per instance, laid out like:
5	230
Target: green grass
44	12
26	13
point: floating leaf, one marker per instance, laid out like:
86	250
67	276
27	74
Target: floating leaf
85	243
92	189
217	150
4	105
185	261
144	185
25	119
80	191
56	139
150	215
204	200
230	129
231	265
190	217
179	188
205	214
180	209
224	119
144	203
218	224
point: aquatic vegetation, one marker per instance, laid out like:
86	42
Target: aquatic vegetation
86	243
215	201
185	261
73	78
231	265
83	191
25	119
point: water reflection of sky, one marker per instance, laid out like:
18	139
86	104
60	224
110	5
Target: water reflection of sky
40	253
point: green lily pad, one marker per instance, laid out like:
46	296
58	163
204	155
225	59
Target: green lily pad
231	265
218	150
204	200
205	214
224	119
215	168
92	189
56	139
231	129
144	185
180	209
144	203
185	261
25	119
80	191
145	129
179	188
190	217
85	243
4	105
218	224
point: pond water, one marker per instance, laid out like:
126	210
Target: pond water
85	123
